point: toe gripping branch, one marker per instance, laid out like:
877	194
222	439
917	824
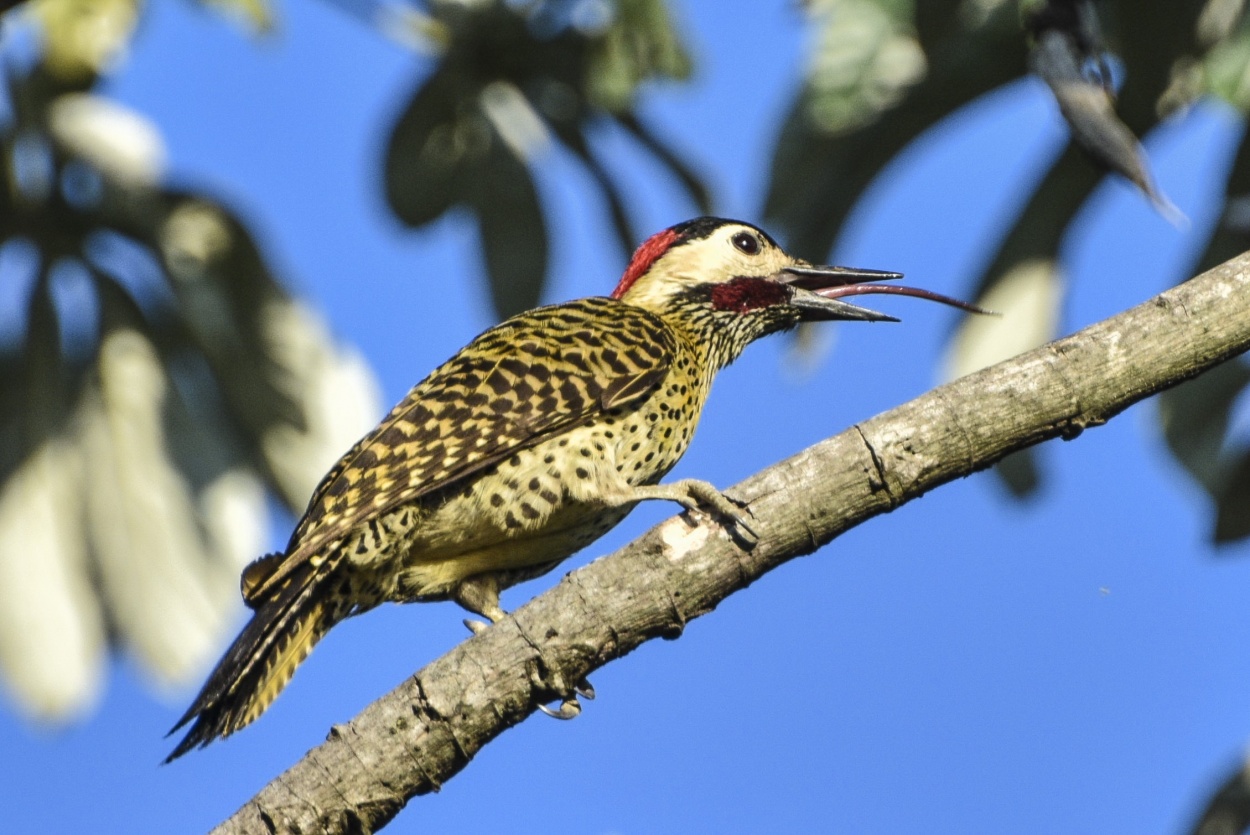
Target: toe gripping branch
544	678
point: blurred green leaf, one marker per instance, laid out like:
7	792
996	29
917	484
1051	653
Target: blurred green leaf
1232	517
819	169
1218	64
48	381
224	288
866	59
514	235
509	77
1020	474
1195	419
1226	71
641	43
84	38
428	148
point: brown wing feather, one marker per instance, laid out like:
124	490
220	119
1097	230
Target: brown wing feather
524	380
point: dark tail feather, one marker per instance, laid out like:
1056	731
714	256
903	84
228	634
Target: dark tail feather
260	662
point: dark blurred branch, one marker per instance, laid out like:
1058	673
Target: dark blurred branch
421	734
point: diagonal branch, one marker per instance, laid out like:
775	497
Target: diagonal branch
422	733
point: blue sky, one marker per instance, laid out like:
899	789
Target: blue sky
966	663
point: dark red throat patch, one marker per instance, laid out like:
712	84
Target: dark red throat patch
744	294
644	256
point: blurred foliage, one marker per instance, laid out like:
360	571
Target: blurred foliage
159	381
509	77
884	71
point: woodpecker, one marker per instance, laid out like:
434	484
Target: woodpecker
523	448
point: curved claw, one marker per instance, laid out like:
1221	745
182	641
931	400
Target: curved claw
570	708
475	626
749	536
736	512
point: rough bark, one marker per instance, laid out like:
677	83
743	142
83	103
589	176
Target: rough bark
422	733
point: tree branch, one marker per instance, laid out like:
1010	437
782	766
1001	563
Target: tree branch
422	733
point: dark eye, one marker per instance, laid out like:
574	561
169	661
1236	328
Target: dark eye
747	243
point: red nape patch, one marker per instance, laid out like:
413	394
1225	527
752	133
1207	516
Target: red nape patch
644	256
744	294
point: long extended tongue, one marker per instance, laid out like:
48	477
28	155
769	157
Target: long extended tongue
898	290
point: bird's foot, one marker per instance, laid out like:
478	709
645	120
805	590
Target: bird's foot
701	498
479	595
697	497
729	512
738	527
570	707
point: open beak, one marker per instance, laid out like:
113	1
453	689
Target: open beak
818	290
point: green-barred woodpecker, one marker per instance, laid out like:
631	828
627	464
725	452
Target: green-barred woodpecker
529	444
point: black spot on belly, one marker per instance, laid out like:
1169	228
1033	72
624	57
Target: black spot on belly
582	473
496	500
528	511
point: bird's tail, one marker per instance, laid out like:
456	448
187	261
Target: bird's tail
286	625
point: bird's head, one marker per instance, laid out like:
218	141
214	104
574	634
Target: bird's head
733	274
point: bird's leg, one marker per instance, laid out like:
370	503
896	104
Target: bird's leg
692	494
696	496
480	595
